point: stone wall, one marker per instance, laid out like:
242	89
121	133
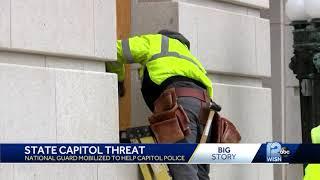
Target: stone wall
53	85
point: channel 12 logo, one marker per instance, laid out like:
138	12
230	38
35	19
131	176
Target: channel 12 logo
275	152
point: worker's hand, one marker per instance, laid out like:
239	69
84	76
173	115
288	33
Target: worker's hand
121	89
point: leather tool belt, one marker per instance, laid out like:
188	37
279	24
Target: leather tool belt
169	121
223	131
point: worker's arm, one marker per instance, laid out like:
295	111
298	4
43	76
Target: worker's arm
132	50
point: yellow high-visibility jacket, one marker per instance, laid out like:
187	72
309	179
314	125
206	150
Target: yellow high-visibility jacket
312	171
162	56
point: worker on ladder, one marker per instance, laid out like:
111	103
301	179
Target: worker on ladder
173	82
312	171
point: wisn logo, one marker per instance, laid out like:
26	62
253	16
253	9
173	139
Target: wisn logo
275	152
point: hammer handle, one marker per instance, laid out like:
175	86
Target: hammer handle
206	130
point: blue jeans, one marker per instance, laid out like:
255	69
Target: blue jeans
190	171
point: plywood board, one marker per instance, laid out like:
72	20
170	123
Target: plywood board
123	31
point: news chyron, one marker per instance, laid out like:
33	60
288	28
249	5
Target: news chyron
275	152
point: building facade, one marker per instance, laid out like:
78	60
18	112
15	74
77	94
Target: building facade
53	85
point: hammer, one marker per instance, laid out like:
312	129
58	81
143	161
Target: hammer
213	109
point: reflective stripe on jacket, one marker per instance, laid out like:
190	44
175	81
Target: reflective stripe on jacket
164	57
312	171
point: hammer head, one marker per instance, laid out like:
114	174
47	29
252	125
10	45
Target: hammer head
215	107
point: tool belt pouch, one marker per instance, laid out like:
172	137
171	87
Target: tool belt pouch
224	131
169	122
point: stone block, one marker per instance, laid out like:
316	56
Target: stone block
276	50
231	172
57	105
64	63
86	107
98	66
105	29
55	171
254	12
249	108
215	41
22	59
294	171
5	23
235	80
152	17
263	52
219	5
77	64
104	170
27	107
266	172
75	27
51	61
116	171
261	4
278	171
6	171
53	26
293	117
